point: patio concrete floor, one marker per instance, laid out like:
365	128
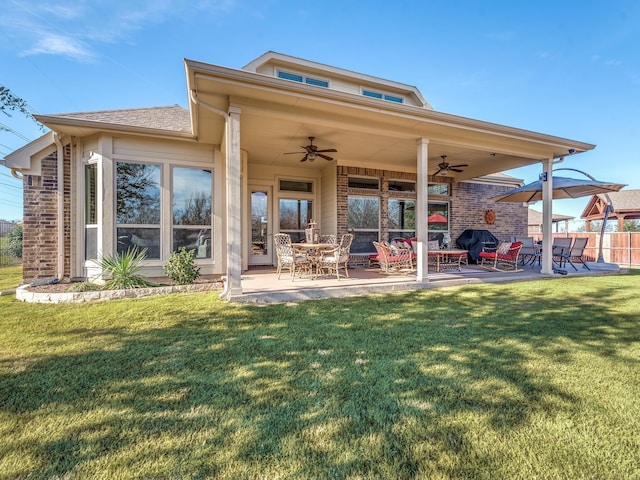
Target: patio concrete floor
261	284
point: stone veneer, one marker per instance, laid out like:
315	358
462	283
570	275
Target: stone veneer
40	220
26	295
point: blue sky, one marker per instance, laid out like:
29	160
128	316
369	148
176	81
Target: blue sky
568	68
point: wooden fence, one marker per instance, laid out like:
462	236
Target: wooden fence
622	248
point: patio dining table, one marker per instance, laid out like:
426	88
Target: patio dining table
313	251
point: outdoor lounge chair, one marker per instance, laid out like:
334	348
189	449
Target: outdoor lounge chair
502	258
575	253
393	259
288	258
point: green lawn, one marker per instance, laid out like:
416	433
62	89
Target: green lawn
535	380
10	277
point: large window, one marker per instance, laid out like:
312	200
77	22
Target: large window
191	210
438	219
138	207
402	218
91	211
295	215
364	221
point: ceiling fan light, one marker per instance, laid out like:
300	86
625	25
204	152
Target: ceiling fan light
311	157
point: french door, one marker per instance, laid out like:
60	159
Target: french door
261	252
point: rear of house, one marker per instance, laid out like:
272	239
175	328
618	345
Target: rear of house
262	150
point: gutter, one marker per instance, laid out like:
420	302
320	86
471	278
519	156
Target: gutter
225	116
60	198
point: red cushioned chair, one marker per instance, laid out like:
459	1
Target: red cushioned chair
393	259
503	258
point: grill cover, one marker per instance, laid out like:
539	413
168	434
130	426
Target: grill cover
474	240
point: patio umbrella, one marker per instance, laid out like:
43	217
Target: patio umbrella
563	187
436	218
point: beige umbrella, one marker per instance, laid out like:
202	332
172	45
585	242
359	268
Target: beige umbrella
564	187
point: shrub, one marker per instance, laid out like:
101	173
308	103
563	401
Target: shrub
123	270
14	242
181	267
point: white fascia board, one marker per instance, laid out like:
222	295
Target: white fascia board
28	158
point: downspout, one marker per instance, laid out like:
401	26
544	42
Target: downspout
225	116
60	197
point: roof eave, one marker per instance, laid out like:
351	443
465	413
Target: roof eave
560	146
79	127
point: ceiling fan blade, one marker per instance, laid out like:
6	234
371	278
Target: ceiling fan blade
458	166
293	153
304	159
439	170
326	157
327	150
455	169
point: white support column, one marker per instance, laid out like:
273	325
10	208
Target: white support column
234	204
422	206
547	216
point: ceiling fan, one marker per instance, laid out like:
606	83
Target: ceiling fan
445	167
311	152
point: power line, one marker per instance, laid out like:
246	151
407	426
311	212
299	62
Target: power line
9	129
10	176
12	186
12	203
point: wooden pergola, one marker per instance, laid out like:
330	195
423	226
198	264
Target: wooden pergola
626	206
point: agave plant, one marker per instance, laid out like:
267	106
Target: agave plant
123	269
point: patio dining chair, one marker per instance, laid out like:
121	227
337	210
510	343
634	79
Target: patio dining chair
529	253
575	253
288	258
327	238
333	260
560	247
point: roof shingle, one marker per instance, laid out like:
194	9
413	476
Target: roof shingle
172	118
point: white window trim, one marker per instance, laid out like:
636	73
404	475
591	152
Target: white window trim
305	77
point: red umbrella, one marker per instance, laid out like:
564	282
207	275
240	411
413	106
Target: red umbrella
437	218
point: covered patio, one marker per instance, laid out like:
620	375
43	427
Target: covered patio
261	284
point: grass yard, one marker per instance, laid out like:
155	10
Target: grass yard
535	380
10	277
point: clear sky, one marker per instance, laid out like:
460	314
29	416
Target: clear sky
566	68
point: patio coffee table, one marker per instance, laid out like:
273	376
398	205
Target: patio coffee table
449	258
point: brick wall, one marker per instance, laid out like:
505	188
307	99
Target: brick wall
40	222
468	204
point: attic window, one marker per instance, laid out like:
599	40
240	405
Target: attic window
303	79
382	96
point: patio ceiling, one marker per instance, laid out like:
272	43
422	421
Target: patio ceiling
278	116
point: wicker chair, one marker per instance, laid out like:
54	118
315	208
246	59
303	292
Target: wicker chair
393	259
333	260
288	258
505	255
